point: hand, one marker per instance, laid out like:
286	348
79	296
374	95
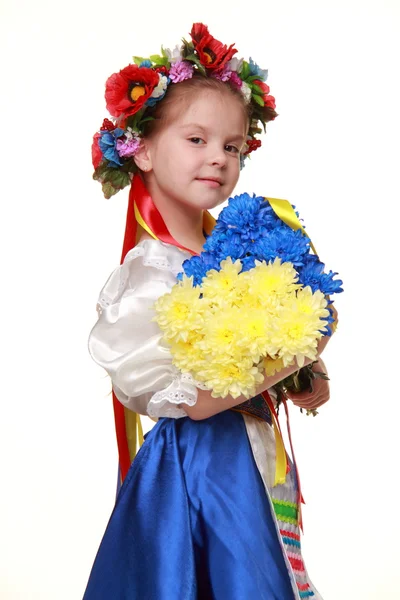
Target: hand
319	395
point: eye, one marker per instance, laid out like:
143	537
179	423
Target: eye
231	149
196	140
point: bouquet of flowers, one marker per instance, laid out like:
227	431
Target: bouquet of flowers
252	303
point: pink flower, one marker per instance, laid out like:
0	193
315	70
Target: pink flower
180	71
223	74
127	148
235	80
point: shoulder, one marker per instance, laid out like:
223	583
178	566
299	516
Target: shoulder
149	270
157	254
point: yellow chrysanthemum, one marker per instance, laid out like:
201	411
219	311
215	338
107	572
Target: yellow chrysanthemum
254	333
180	311
271	282
223	285
300	326
220	332
312	303
186	355
231	377
272	365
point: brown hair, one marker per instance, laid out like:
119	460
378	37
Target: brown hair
165	110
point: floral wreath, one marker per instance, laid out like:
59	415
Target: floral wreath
142	85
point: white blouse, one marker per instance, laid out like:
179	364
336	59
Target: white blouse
129	345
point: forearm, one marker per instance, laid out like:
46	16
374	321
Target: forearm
207	406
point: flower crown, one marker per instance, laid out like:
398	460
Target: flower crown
140	86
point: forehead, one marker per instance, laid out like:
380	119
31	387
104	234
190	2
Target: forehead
211	109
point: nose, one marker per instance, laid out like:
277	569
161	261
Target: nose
216	156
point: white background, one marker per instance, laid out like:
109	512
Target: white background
333	151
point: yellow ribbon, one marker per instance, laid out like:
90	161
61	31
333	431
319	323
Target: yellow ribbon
143	223
281	461
134	432
285	211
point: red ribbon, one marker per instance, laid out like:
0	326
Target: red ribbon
140	197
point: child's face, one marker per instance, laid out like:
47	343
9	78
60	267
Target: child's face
195	159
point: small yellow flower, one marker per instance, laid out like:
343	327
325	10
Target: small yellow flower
232	377
220	332
180	311
254	332
223	285
186	355
300	326
271	282
272	365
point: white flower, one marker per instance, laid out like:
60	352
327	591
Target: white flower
130	134
160	88
246	91
174	55
235	64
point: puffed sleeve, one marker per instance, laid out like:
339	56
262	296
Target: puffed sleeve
129	345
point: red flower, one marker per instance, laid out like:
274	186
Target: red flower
212	53
161	69
268	100
128	90
97	155
108	125
252	145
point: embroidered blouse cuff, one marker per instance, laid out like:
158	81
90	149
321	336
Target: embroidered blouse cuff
182	390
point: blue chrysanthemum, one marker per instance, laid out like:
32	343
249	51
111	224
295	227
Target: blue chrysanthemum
248	262
329	320
198	266
250	216
107	144
256	70
224	244
312	274
146	63
283	242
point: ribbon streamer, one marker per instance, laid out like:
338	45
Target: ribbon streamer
285	211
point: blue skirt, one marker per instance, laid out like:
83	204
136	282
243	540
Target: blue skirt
192	521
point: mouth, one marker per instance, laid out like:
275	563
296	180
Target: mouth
213	181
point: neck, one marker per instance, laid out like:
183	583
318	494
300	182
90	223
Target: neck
184	223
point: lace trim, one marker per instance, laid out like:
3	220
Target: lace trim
182	390
161	263
158	263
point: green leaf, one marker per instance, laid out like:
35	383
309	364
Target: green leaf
195	59
258	100
112	179
256	89
252	78
245	70
108	190
159	60
187	48
101	169
138	59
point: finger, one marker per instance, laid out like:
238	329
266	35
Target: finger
320	386
316	403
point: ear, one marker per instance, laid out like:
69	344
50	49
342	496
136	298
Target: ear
142	156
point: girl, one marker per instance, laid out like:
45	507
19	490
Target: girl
198	515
